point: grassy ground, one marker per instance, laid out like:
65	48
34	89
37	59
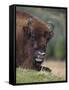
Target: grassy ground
29	76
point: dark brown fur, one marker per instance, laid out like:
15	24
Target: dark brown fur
23	44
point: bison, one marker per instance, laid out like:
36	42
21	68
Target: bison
32	36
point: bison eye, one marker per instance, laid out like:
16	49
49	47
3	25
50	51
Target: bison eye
32	36
48	38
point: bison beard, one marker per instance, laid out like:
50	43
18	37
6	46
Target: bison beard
32	36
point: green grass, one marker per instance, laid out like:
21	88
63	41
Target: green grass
31	76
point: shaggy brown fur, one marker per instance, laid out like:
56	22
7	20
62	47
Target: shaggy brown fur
24	49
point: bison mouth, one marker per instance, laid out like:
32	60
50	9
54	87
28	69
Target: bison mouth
38	58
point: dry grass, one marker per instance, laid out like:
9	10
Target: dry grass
29	76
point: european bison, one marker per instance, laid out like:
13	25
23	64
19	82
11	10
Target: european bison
32	36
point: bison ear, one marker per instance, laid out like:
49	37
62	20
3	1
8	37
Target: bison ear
29	21
51	28
28	24
50	25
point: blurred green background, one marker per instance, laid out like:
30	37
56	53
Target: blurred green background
56	48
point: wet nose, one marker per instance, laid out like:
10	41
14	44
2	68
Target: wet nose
41	55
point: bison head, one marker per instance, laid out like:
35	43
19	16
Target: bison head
32	36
